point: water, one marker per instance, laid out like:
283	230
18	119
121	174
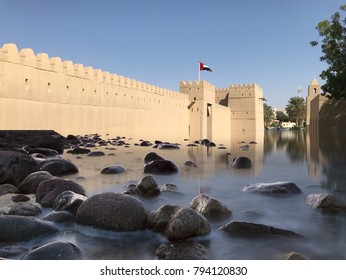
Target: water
278	156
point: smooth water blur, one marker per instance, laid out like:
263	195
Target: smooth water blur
277	156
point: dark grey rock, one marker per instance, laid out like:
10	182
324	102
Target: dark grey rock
79	151
60	217
113	211
20	228
241	162
163	146
160	167
43	151
182	250
20	198
55	251
69	201
48	190
114	169
251	230
189	163
159	219
24	209
277	188
59	167
12	250
152	156
15	166
148	187
209	207
31	182
169	187
96	154
50	142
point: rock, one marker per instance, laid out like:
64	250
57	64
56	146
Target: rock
55	251
131	189
24	209
160	167
205	142
164	146
159	220
295	256
324	201
114	169
169	187
48	190
43	151
182	250
241	162
210	144
189	163
251	230
49	142
145	144
79	151
8	188
148	187
59	167
12	250
209	207
20	198
19	228
178	223
15	166
113	211
31	182
60	217
69	201
277	188
152	156
96	154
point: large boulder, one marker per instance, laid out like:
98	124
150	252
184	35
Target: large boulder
59	167
159	220
24	209
31	182
69	201
209	207
15	166
60	217
113	211
324	201
277	188
20	228
182	250
152	156
251	230
43	151
55	251
159	166
148	187
48	190
50	142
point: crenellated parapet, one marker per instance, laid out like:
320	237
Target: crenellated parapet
41	61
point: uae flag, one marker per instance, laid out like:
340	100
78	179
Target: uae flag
202	67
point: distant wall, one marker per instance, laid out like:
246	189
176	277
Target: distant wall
38	92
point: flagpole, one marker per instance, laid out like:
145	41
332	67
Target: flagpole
199	72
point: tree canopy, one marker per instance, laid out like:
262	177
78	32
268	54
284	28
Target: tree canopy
268	114
333	46
296	109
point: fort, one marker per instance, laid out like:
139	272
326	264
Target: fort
38	92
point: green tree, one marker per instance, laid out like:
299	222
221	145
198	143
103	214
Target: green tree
296	109
269	115
333	47
281	116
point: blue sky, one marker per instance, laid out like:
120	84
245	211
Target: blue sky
160	42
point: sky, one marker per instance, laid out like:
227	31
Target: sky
161	42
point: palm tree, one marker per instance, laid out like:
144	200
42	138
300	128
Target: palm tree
296	109
269	115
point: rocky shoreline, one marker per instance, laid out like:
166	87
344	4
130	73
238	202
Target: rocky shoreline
31	166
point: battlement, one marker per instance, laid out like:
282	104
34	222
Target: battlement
41	61
195	84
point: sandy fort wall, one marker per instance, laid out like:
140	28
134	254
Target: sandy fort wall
39	92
